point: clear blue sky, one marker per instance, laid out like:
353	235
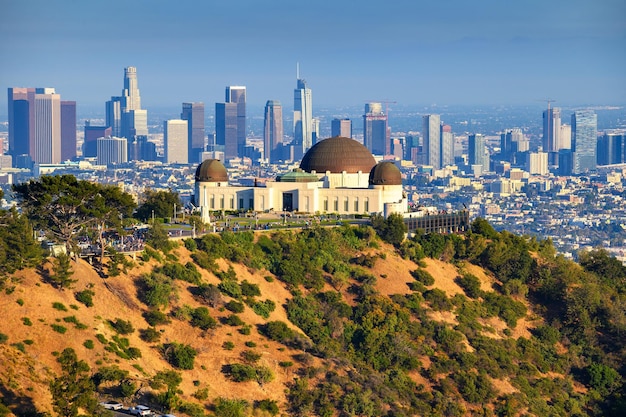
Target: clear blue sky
443	52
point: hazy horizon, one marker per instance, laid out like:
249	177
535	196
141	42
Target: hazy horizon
449	53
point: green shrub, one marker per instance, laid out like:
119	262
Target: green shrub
269	406
77	324
150	335
438	300
156	317
59	306
277	330
127	388
470	284
20	301
191	245
249	290
156	289
231	408
250	344
285	364
234	306
3	338
88	344
230	287
102	339
122	326
234	320
27	321
264	308
201	394
85	297
200	317
244	330
239	372
180	355
228	345
250	356
58	328
20	346
423	276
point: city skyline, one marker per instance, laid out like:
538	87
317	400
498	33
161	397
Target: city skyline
451	52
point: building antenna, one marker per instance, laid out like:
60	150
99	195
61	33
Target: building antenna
297	70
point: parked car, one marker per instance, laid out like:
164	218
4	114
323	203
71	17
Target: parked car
112	405
140	410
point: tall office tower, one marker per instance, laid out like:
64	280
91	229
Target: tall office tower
46	144
611	148
230	123
114	115
476	151
431	123
315	130
140	149
584	141
175	141
565	137
341	127
272	131
124	113
375	135
537	163
194	114
21	119
112	151
302	117
92	133
68	130
551	129
447	145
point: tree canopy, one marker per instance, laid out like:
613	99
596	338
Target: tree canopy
62	206
161	203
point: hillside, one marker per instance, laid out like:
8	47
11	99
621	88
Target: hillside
369	329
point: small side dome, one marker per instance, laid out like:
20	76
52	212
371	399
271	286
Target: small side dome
385	173
211	170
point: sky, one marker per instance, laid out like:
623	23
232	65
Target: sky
413	52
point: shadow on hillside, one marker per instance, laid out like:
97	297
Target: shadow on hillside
20	405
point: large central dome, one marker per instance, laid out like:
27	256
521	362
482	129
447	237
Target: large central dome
338	154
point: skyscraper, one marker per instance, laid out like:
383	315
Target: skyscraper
90	142
341	127
551	129
124	113
273	130
21	119
584	141
447	145
230	122
175	141
302	117
194	114
476	151
68	130
611	148
35	121
112	150
431	124
375	135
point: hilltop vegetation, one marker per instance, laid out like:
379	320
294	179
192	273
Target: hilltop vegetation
323	321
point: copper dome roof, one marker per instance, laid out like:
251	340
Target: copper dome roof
338	154
211	170
385	173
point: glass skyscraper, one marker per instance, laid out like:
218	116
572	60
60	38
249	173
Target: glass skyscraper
302	118
584	141
230	123
431	129
375	136
194	114
273	130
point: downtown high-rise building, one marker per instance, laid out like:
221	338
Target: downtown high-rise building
476	153
341	127
230	123
193	113
447	146
111	151
375	129
124	113
38	125
272	131
612	148
175	141
584	141
302	117
431	125
551	129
